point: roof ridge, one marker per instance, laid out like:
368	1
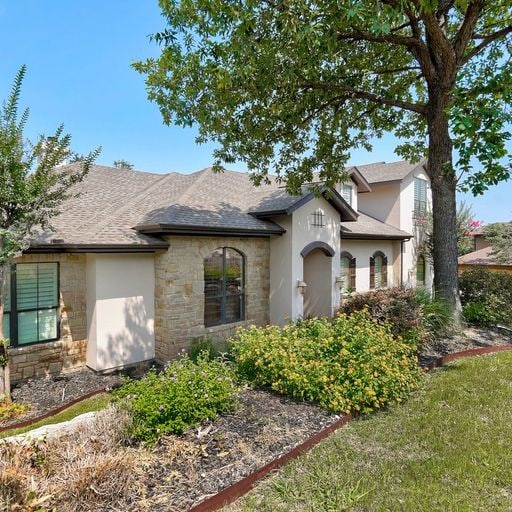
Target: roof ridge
144	193
201	176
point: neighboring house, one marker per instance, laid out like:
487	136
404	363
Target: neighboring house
482	256
140	264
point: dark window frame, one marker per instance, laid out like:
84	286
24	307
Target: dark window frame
351	270
421	282
383	271
14	310
224	295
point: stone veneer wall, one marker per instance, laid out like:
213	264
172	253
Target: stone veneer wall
179	290
69	351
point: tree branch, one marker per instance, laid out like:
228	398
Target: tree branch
352	93
486	41
467	28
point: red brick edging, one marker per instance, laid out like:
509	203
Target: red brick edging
243	486
466	353
31	421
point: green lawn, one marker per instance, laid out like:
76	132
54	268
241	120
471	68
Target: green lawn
448	448
95	403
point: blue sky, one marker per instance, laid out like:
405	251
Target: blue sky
78	56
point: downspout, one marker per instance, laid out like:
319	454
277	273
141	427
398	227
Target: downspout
402	264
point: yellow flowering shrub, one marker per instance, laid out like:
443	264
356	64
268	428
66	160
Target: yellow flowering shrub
346	364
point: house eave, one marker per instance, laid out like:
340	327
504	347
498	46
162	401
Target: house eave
177	229
97	248
356	236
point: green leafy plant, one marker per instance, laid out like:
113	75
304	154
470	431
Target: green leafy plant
33	185
347	364
203	348
486	296
181	396
10	410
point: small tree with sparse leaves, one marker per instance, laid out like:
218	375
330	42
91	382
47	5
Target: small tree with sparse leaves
32	188
123	164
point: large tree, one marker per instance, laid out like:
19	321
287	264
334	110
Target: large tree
32	188
290	86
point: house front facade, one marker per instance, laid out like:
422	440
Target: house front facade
141	264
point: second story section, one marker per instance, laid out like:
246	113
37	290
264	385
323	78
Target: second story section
400	193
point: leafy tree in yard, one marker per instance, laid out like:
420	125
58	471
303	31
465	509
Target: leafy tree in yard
466	225
499	235
293	85
32	187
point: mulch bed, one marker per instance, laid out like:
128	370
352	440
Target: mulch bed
184	470
48	393
181	471
469	338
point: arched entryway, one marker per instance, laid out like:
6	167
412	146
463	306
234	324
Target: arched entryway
317	274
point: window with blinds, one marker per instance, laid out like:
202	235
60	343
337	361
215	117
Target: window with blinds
7	308
420	198
33	303
346	193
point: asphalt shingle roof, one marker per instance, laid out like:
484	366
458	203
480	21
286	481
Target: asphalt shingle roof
381	171
122	207
370	228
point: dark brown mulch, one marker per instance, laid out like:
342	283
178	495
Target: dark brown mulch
468	338
184	470
48	393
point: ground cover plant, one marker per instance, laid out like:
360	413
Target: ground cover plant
446	448
181	396
486	297
347	364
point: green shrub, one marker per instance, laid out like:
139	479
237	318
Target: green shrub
346	364
411	313
486	296
181	396
203	347
397	307
436	313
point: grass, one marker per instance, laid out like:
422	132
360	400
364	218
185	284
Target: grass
95	403
448	448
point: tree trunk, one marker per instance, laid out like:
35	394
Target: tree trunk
443	183
5	378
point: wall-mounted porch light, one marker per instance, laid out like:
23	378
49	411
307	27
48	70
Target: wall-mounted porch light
301	286
340	281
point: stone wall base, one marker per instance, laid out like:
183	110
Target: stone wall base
43	359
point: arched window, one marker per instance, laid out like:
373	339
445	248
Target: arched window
224	298
420	271
378	271
348	271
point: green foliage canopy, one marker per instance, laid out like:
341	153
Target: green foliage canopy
32	186
292	85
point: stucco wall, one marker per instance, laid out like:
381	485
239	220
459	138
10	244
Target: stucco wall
362	250
120	309
411	249
179	290
287	264
69	351
383	203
